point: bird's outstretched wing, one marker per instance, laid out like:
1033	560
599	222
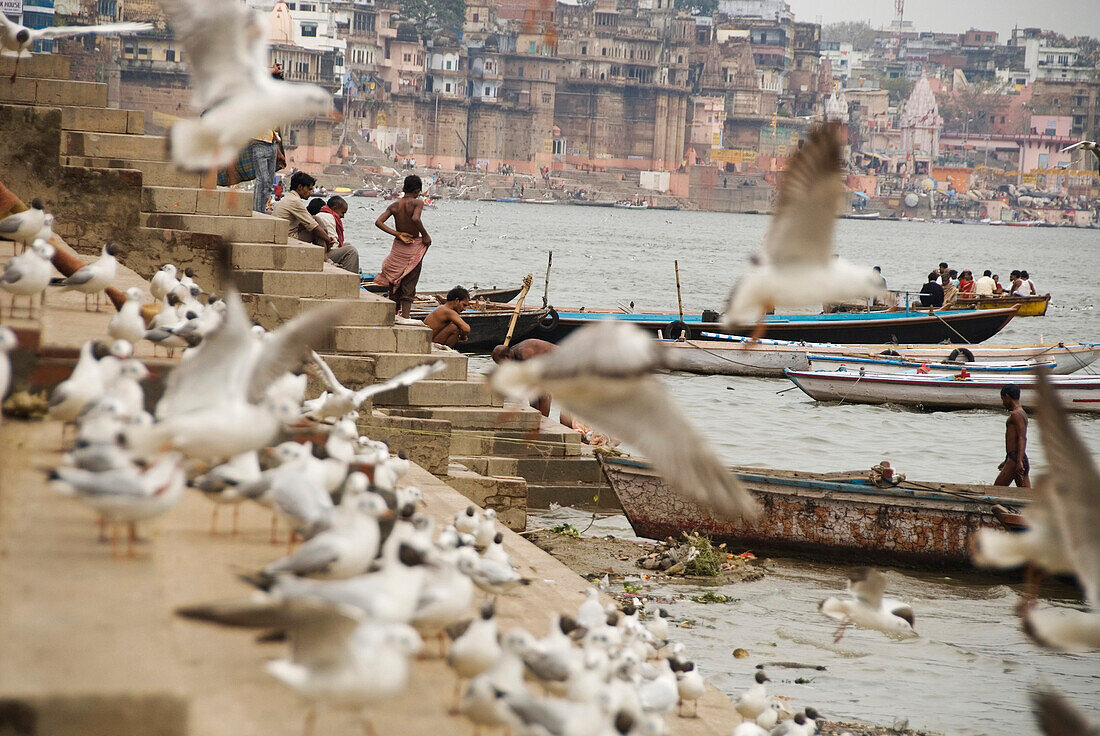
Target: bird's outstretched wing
221	40
218	368
405	378
1078	144
809	197
867	584
327	375
1057	716
1075	495
289	347
101	30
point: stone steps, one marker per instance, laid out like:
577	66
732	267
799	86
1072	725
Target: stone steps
584	495
193	201
36	66
114	145
509	416
387	339
313	284
102	120
270	310
544	470
507	495
387	365
154	173
275	257
438	393
254	228
546	442
54	93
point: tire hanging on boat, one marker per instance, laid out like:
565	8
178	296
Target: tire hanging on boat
549	321
676	328
967	356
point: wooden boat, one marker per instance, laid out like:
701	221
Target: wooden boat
867	327
837	515
499	296
889	364
632	205
489	325
733	355
1079	393
1028	306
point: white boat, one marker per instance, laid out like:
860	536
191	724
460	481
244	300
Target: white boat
1078	393
886	364
733	355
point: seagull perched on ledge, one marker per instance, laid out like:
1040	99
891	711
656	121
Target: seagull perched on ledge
797	265
227	51
16	39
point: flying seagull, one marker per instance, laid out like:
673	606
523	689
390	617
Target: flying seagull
603	374
1087	146
339	400
1072	499
16	40
867	608
797	265
226	47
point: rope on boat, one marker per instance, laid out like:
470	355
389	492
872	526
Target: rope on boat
495	438
941	319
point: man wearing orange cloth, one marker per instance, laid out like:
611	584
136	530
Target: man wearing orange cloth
401	269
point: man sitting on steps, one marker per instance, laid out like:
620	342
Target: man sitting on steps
304	227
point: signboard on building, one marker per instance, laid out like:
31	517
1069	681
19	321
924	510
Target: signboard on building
732	155
11	7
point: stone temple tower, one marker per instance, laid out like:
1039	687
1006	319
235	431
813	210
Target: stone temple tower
921	122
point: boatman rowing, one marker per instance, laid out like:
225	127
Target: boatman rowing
1015	467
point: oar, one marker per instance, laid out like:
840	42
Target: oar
519	305
546	286
679	299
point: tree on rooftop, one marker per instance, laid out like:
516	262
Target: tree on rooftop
899	89
702	7
861	35
974	103
430	15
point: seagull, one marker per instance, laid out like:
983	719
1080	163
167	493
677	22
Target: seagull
220	484
215	403
602	373
797	266
475	647
868	609
163	282
1073	506
24	227
341	401
1087	146
16	40
28	274
1040	543
754	701
128	324
227	49
338	656
466	521
95	277
692	687
8	343
84	385
128	494
496	578
1057	716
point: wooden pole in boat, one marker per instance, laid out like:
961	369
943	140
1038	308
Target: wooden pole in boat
679	299
519	305
546	287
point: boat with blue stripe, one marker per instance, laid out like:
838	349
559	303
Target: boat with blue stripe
885	364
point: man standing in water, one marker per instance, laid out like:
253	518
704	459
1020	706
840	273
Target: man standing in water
1015	467
401	269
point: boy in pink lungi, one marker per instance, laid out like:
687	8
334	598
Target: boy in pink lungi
401	269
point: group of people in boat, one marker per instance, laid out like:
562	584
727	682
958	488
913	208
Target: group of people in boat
946	285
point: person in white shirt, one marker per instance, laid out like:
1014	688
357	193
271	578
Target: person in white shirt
984	286
1027	282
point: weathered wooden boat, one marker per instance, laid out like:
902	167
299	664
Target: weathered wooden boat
1079	393
499	296
869	327
489	325
887	364
733	355
1028	306
837	515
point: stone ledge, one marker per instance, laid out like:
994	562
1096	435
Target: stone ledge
427	442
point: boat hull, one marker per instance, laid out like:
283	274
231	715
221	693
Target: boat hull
900	365
1078	393
1027	306
770	358
823	515
964	327
489	328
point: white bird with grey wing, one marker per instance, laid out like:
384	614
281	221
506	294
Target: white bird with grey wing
1072	498
17	39
797	265
1085	146
95	277
28	274
216	404
340	401
24	227
8	343
227	53
602	373
868	609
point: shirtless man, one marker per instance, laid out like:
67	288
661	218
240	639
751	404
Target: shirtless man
1015	466
447	327
401	269
525	350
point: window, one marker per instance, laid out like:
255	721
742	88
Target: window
519	71
108	8
488	91
584	50
128	50
447	64
603	52
309	30
531	47
546	98
447	87
474	17
169	54
306	7
408	57
143	50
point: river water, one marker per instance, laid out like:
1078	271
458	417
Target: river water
970	671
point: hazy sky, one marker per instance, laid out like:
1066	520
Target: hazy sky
1069	17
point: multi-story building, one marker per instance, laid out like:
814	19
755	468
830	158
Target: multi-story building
1079	99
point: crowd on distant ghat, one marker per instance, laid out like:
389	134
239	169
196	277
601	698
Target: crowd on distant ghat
946	285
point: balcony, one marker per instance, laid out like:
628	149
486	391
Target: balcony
154	66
